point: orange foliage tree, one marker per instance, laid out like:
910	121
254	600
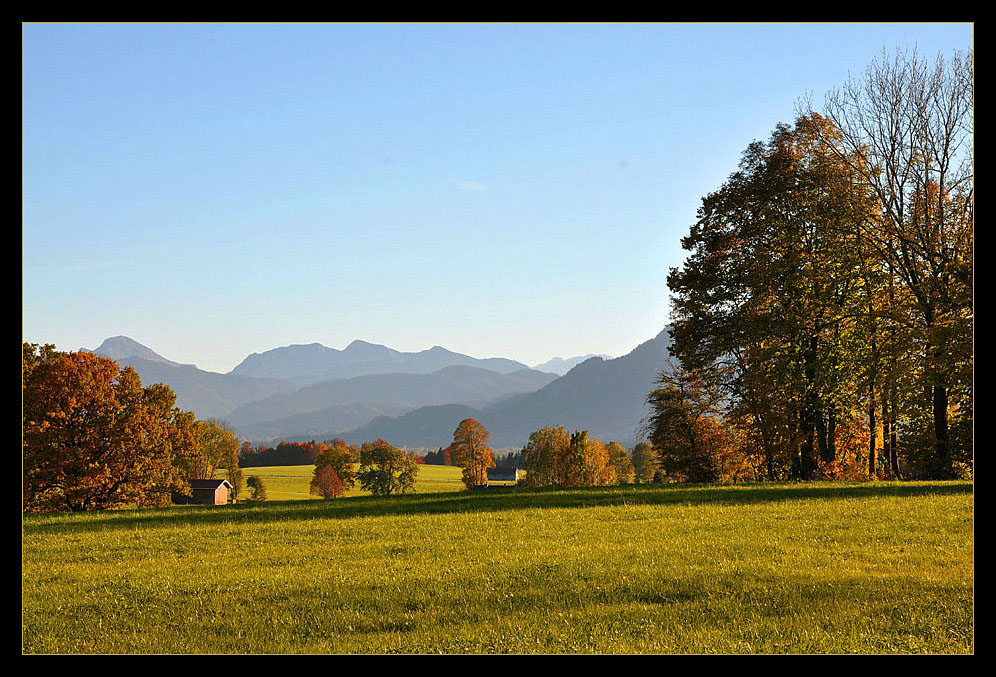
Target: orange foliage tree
552	457
470	451
326	483
94	438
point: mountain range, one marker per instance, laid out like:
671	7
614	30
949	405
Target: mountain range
605	397
314	362
285	393
206	393
453	384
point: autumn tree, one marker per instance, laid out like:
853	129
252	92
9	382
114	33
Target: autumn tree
340	458
386	470
683	426
552	457
94	438
769	308
586	463
325	482
33	355
543	457
644	463
906	128
470	451
620	462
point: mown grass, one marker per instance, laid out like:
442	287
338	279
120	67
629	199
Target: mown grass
876	567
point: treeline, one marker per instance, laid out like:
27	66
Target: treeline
289	453
502	459
384	469
823	320
94	438
552	457
302	453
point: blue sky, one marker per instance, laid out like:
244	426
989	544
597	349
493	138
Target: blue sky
501	190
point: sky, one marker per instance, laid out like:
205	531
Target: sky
501	190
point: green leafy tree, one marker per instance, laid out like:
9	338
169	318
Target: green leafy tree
679	427
340	457
644	463
257	488
386	470
768	308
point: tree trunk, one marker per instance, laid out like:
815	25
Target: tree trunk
886	450
942	452
871	426
893	435
808	415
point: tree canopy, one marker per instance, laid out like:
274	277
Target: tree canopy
470	451
94	438
385	469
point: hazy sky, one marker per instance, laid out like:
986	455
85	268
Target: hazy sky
500	190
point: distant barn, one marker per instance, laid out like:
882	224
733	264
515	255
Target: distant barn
503	474
205	492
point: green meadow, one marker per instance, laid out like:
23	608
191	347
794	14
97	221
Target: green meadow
862	567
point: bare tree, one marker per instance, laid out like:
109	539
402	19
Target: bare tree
907	126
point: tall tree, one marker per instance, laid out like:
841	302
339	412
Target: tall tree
682	427
217	449
906	128
543	457
471	452
765	307
644	463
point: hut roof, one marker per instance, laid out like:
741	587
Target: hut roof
208	484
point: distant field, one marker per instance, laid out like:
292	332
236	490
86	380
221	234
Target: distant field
293	482
883	567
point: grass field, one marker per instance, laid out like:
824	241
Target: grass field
293	482
875	567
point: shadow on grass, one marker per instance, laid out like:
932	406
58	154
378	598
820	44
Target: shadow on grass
481	501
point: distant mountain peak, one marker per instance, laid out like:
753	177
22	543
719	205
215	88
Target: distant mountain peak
122	347
558	365
359	344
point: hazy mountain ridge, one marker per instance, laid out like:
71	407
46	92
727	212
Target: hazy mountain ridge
312	363
206	393
423	427
605	397
453	384
558	365
319	425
